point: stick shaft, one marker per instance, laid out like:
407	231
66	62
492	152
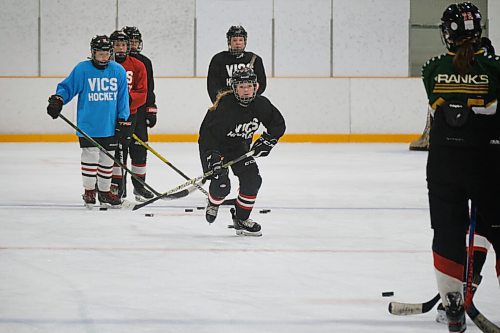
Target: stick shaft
163	159
192	181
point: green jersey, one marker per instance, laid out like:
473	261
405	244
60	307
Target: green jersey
480	89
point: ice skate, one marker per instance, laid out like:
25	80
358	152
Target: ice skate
118	190
89	198
246	227
142	194
441	315
108	199
211	212
455	312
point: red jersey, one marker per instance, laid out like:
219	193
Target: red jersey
137	82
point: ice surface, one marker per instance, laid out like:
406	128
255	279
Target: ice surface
347	222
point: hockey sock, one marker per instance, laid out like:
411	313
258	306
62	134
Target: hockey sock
244	205
104	172
89	160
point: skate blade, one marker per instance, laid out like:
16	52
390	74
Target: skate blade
242	232
139	198
89	206
109	206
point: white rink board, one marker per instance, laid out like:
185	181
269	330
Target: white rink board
314	105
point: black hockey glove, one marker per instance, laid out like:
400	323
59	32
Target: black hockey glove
123	132
151	116
55	106
214	161
263	145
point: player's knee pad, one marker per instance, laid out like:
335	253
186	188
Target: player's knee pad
90	155
138	153
250	181
450	243
220	186
248	174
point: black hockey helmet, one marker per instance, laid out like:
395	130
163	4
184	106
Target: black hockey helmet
100	43
460	22
119	35
134	34
244	75
236	31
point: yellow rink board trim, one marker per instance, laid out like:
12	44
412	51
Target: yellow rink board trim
318	138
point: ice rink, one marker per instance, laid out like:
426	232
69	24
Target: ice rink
347	222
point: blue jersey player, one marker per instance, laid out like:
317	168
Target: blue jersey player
102	110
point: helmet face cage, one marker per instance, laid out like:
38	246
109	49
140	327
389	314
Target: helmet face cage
244	75
100	43
120	36
236	31
460	22
134	34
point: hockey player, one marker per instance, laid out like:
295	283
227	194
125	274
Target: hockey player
225	134
138	89
462	88
103	108
422	143
225	63
146	116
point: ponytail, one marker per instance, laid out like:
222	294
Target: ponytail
464	57
220	94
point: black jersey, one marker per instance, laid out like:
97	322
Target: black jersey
230	127
151	98
224	64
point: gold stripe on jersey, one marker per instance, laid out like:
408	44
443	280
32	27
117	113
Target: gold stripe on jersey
437	103
460	88
463	91
463	85
475	102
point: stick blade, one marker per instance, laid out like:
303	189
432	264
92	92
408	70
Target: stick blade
483	323
405	309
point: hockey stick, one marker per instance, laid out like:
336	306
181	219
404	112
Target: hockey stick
164	160
481	321
470	256
192	181
405	309
101	148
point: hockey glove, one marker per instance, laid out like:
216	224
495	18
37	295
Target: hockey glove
263	145
55	106
123	132
214	161
151	116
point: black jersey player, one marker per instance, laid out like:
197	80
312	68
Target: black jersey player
463	87
145	118
225	63
225	134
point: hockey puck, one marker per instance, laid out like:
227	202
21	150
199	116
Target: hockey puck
188	210
387	293
264	211
200	208
149	215
103	208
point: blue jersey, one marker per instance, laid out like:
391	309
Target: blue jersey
102	97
